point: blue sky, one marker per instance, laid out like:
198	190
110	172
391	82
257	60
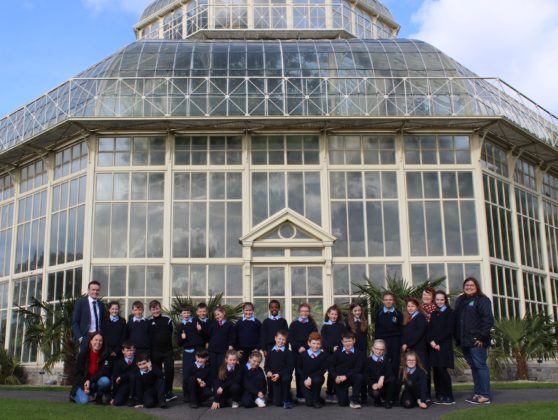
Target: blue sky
45	42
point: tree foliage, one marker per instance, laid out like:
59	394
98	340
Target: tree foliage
10	370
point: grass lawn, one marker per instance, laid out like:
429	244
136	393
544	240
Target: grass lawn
39	410
530	410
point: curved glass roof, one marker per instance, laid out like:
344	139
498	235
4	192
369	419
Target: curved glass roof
156	7
262	79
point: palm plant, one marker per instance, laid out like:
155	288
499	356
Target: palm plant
10	370
233	312
371	293
531	337
49	327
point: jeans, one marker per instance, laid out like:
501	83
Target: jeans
476	358
101	386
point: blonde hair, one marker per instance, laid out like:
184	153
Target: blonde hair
404	372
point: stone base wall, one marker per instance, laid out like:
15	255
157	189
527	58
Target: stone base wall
544	372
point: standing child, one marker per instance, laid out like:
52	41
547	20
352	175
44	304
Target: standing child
199	387
189	338
440	338
413	337
160	334
312	366
332	332
228	382
247	332
114	330
380	379
254	382
149	385
346	369
273	323
358	325
221	339
203	322
389	323
137	329
279	367
123	371
299	332
413	381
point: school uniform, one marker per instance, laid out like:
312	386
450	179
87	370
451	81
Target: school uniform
388	327
114	333
160	334
221	336
349	363
414	336
377	367
312	365
137	331
331	337
204	333
414	387
270	326
149	388
361	337
231	385
299	330
253	382
124	369
247	332
196	393
441	331
189	345
279	361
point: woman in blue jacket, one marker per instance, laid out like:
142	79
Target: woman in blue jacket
473	322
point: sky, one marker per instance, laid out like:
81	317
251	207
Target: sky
45	42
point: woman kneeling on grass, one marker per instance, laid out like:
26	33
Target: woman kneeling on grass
92	381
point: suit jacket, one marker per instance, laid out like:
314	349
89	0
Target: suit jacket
81	318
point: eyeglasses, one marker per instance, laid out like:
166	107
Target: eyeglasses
379	348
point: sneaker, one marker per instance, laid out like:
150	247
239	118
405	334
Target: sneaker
439	401
448	401
353	404
260	402
472	399
234	404
287	405
480	400
170	397
300	400
335	400
329	399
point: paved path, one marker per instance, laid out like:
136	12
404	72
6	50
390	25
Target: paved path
180	411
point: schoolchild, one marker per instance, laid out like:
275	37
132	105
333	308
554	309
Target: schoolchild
254	383
299	331
332	331
388	327
247	332
279	367
114	331
161	331
380	378
413	382
273	323
198	383
148	385
123	370
137	329
228	384
413	337
221	339
347	370
189	339
312	366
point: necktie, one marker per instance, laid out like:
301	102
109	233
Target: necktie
129	362
313	356
279	350
348	352
220	323
96	315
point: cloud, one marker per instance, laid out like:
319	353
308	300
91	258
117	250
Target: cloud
511	39
130	6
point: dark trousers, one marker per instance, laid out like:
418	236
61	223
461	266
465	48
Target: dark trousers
342	389
298	378
410	394
393	352
387	393
150	396
215	360
121	393
280	390
312	395
248	399
188	360
196	393
330	380
233	392
165	363
442	382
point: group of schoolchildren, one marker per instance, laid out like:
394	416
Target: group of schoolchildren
222	360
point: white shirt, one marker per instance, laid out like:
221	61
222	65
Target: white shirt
92	314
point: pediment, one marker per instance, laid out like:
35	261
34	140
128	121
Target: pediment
288	226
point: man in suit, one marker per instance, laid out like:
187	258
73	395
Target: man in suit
88	315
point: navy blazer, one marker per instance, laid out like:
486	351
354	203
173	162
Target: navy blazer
81	318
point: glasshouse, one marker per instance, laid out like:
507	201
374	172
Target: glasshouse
286	150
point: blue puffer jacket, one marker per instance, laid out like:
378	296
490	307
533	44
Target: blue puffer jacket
473	320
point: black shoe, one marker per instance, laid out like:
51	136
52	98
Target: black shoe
377	403
388	405
318	404
163	405
131	402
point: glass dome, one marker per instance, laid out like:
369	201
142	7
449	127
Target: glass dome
266	19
